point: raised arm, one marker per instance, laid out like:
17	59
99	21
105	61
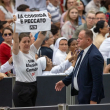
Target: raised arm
16	41
40	39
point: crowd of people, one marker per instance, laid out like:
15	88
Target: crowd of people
77	45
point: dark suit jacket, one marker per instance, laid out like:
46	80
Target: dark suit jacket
90	77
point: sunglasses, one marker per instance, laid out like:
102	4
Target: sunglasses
7	34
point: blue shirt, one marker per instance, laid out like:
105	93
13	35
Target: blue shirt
80	21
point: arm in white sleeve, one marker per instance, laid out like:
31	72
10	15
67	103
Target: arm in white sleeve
61	68
6	67
69	70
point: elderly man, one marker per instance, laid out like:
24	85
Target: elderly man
93	5
87	75
45	47
90	21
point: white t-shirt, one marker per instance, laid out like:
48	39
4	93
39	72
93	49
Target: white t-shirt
26	65
8	14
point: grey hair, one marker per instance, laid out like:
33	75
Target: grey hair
47	36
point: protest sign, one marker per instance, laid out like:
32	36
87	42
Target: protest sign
32	21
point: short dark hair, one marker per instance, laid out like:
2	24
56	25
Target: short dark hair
99	25
84	6
88	33
70	41
22	35
66	5
22	7
2	23
6	28
54	29
99	12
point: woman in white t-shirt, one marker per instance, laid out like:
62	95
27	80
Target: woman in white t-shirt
25	64
6	10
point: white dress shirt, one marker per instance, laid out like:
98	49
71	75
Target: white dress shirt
75	78
105	49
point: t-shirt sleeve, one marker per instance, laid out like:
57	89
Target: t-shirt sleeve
16	58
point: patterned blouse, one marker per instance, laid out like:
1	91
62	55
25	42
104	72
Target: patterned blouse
68	30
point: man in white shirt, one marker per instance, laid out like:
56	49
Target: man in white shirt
93	5
87	75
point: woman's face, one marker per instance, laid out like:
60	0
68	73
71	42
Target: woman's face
73	46
70	3
80	6
25	44
73	14
105	28
63	45
7	36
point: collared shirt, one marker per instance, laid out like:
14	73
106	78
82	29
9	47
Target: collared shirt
75	78
92	6
55	13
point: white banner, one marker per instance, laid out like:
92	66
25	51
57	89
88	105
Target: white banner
32	21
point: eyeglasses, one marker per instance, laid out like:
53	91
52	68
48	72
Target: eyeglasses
70	2
91	18
100	18
63	44
7	34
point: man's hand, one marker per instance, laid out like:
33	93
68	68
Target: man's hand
59	85
92	102
107	69
2	75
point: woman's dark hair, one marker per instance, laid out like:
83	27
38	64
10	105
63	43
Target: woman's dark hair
70	41
84	6
6	28
99	25
66	5
54	29
22	7
22	35
107	3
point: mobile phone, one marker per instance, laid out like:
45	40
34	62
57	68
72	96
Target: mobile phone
108	61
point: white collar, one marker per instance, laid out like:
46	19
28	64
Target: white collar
86	49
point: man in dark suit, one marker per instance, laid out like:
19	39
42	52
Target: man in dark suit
87	75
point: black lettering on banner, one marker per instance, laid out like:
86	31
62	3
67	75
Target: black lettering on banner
44	20
20	16
21	20
33	27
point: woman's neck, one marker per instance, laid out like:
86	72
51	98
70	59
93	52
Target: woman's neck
80	13
8	43
72	22
103	34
